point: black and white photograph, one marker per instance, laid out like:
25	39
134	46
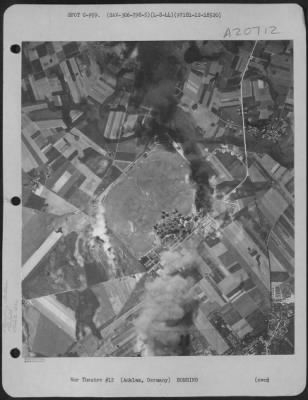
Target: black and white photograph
158	198
154	186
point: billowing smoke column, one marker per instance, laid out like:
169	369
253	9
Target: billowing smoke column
100	231
204	191
162	70
166	320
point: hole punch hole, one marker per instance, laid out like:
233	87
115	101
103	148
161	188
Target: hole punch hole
15	48
15	201
15	353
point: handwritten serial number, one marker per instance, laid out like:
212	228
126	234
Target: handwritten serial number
251	30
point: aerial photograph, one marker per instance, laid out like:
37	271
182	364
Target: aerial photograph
157	198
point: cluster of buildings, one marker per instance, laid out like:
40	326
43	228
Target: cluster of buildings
174	226
271	130
214	90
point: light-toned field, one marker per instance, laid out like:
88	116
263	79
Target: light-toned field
157	182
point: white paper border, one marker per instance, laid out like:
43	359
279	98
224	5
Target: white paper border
218	375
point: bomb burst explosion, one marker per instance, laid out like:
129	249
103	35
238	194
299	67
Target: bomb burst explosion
166	320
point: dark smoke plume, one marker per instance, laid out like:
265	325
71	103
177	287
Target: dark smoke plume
161	71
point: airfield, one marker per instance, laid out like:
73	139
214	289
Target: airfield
159	181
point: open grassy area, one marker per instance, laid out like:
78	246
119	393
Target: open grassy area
157	182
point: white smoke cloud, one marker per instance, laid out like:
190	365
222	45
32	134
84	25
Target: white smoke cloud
79	258
100	230
169	307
